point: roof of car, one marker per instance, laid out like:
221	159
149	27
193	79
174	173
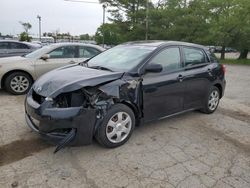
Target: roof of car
22	42
75	44
158	43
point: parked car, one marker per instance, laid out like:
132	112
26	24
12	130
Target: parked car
14	48
18	73
230	50
211	48
108	95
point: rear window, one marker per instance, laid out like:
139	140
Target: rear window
193	56
212	57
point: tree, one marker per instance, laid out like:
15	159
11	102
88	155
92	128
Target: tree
24	36
129	15
111	33
85	37
223	23
26	26
242	41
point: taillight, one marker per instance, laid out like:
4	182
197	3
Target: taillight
223	68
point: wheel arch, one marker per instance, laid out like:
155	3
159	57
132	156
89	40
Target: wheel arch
12	71
132	107
219	86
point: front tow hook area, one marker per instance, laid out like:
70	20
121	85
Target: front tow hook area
66	140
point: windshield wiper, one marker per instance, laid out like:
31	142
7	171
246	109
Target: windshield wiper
101	68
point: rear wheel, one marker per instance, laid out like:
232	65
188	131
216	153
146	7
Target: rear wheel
212	101
18	83
117	126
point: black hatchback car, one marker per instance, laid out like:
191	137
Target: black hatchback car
106	96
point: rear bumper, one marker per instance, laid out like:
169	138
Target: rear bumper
55	124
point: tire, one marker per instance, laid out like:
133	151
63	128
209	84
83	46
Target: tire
18	83
211	106
120	119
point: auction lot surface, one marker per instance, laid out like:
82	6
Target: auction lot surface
191	150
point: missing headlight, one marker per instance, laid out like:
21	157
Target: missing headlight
72	99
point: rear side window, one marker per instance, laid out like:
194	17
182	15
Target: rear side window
87	52
64	52
4	45
212	57
15	45
193	56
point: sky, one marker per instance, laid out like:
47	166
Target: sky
75	18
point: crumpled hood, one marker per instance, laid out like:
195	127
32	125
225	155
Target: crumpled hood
71	78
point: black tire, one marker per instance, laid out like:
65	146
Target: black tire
7	83
101	135
207	108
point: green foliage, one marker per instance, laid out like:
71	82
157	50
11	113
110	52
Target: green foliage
26	26
236	62
111	34
85	37
25	37
209	22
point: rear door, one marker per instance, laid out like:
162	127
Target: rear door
58	57
163	92
18	49
197	76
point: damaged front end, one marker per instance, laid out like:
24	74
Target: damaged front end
68	119
70	114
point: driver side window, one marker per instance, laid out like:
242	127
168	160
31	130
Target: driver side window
63	52
169	58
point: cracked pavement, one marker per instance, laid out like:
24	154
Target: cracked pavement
192	150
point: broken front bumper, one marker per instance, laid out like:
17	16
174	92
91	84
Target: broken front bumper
74	125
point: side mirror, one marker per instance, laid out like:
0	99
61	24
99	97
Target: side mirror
154	68
45	57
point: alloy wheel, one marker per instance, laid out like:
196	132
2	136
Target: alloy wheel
19	84
213	100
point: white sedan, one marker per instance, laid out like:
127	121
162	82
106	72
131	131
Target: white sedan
18	73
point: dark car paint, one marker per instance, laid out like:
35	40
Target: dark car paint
71	77
151	96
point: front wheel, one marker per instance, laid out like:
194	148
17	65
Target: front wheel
212	101
18	83
117	126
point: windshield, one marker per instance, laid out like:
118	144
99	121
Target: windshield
121	58
38	53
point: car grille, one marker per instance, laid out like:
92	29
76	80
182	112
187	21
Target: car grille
38	98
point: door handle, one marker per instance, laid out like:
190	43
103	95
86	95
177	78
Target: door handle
72	62
180	78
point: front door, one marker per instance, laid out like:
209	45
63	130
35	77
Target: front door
163	92
57	58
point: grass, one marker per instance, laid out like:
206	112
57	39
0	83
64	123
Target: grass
235	61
